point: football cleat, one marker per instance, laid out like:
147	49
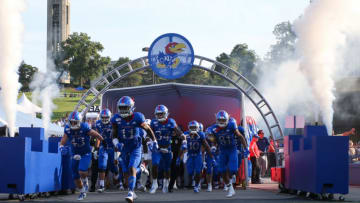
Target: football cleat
209	189
154	187
130	197
196	189
81	196
231	191
101	189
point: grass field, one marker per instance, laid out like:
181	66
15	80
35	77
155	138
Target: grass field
64	104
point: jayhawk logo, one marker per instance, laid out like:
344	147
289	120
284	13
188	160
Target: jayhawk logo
170	57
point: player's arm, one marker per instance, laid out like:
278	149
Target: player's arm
242	138
114	131
149	131
93	133
206	146
97	144
178	132
63	140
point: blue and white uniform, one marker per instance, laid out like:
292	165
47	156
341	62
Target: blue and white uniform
194	161
106	153
163	132
130	134
80	144
210	167
225	137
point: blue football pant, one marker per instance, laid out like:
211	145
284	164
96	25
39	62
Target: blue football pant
106	157
131	159
81	165
228	160
194	164
164	158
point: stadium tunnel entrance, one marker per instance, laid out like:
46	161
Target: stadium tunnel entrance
103	84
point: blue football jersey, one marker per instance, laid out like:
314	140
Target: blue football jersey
80	140
105	131
225	137
163	131
194	144
129	132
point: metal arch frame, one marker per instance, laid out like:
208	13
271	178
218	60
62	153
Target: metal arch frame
247	90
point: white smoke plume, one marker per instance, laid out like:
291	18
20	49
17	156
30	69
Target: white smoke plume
306	86
11	29
45	90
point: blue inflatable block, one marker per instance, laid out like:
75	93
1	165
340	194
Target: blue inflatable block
28	164
67	181
318	163
37	135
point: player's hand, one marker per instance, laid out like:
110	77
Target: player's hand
204	165
155	145
150	145
77	157
116	162
214	163
178	161
164	150
120	146
246	153
63	150
96	154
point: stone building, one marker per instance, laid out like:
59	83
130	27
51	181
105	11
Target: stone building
58	29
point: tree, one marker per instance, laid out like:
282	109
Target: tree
134	79
284	48
241	59
80	57
26	73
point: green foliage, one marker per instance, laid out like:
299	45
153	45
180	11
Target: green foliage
131	80
26	73
80	57
284	48
241	59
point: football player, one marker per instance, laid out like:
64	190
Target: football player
193	140
242	154
211	169
79	134
126	125
106	150
164	128
225	131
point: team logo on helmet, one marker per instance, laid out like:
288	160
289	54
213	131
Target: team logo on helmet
126	106
105	115
74	120
222	118
161	113
194	127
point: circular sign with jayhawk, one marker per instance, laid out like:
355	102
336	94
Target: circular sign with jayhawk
171	56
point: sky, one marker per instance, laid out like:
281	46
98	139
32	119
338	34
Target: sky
124	27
